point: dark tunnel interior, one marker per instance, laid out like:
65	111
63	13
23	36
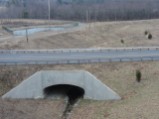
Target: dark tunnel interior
64	90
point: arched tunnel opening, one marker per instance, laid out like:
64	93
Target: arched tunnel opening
72	92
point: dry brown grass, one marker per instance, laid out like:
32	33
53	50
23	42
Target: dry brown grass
106	34
30	109
139	100
29	22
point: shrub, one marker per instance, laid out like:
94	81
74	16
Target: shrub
122	41
149	36
146	32
25	14
138	75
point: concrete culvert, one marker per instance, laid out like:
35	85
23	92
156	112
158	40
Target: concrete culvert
63	91
44	84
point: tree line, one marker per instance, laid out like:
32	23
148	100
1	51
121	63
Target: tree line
82	10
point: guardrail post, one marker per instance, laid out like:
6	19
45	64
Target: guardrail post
141	59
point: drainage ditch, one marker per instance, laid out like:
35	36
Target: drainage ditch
71	92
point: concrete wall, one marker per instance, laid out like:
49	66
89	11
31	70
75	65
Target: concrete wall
35	29
33	87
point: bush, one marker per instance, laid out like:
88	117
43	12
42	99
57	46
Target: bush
138	75
149	36
25	15
122	41
146	32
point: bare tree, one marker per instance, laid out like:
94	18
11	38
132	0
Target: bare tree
100	10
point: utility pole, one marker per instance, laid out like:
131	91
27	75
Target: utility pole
87	16
49	10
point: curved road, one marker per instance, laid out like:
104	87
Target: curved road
76	56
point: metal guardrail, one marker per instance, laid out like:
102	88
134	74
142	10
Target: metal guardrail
83	61
77	50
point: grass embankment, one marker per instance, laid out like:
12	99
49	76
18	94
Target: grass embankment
139	100
104	34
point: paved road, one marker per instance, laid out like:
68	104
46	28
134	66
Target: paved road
76	56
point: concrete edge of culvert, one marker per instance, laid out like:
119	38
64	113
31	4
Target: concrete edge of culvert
41	28
32	88
116	96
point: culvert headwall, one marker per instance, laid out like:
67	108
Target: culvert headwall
34	87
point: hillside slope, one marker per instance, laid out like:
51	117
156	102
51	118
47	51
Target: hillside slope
102	34
139	100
